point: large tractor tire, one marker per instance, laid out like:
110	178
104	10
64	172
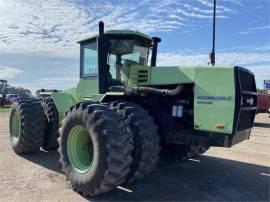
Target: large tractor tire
145	139
26	126
95	149
51	124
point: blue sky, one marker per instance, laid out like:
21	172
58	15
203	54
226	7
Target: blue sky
38	38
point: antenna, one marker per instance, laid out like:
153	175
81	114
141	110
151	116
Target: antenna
213	54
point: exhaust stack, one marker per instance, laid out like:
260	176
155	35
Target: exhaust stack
213	54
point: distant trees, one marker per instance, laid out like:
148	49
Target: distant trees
23	92
261	91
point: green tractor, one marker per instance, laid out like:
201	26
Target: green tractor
3	92
111	128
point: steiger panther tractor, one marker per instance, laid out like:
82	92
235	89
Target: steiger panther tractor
111	128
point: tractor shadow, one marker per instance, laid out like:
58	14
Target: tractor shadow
203	179
262	125
46	159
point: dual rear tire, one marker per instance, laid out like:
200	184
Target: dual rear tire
33	124
26	126
145	138
51	122
100	147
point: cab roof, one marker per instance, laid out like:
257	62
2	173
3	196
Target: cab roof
119	32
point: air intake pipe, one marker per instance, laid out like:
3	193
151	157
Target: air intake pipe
150	90
169	92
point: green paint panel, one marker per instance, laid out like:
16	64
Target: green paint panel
172	75
87	88
72	92
139	75
214	93
63	101
214	101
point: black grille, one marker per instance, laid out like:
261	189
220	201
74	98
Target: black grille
246	99
142	76
247	81
245	120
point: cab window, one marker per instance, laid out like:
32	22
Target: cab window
112	63
90	60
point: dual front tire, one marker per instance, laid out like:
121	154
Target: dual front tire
95	149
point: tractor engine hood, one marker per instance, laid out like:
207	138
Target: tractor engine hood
138	75
223	96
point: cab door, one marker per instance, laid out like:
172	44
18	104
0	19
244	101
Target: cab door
88	84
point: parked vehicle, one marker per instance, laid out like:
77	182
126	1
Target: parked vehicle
263	103
12	97
43	93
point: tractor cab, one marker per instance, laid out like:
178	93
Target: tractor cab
107	57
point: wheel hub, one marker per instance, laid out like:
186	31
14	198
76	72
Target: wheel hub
80	149
15	125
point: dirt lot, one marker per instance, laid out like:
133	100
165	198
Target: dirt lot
240	173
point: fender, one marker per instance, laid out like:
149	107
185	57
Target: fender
63	101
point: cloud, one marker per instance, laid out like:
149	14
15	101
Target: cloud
257	62
58	83
221	8
9	72
222	58
262	48
257	29
248	48
53	27
198	15
258	7
261	70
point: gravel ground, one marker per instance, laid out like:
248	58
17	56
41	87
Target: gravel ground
241	173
